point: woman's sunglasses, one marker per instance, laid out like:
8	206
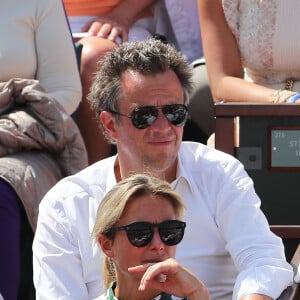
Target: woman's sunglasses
143	116
140	234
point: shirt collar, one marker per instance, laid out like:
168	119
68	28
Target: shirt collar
182	175
111	177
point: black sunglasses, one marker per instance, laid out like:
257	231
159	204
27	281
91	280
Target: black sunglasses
143	116
141	234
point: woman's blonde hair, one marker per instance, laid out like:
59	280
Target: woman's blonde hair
113	204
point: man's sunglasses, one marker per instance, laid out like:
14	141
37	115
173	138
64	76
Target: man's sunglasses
140	234
144	116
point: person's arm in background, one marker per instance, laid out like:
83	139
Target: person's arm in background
223	60
118	22
57	68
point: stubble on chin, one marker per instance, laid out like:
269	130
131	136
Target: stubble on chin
160	166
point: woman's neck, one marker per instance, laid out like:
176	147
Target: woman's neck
130	291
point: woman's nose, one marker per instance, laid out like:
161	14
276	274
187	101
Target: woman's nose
157	243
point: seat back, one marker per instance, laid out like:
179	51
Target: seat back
259	135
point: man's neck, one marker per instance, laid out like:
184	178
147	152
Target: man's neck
121	172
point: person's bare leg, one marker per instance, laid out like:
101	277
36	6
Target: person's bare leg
97	146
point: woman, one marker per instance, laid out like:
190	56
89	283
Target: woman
140	246
39	90
251	49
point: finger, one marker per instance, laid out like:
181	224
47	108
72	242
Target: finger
154	281
105	30
168	268
94	28
115	33
139	268
154	274
151	276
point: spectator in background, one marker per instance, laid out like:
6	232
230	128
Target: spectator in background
39	142
140	95
139	246
100	26
178	21
251	50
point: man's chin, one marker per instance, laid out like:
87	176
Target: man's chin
161	162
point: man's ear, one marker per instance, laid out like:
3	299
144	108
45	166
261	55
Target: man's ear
109	124
106	245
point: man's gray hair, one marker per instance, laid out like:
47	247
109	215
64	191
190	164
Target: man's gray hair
147	57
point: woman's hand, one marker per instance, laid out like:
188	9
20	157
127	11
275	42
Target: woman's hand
109	28
172	278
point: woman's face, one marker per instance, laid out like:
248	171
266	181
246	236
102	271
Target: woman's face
146	208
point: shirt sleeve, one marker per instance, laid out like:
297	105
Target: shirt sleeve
57	266
57	68
257	253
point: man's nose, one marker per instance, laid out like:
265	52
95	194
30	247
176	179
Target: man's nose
161	122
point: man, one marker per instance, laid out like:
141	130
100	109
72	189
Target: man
139	94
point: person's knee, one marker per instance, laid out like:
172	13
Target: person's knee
94	48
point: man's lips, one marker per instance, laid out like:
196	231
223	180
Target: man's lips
160	141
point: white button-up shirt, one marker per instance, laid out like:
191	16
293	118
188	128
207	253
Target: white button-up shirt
227	242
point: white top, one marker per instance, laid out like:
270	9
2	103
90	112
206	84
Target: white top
267	37
36	44
226	231
109	295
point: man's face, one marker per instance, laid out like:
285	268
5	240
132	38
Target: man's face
154	148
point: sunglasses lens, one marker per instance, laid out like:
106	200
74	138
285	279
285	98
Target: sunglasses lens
176	114
171	232
140	234
144	116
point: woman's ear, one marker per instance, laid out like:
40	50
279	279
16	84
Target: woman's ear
106	245
109	123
